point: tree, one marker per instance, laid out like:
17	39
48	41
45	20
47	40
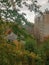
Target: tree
12	14
9	14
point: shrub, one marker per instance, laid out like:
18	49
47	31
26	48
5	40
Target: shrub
30	45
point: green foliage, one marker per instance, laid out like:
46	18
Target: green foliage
21	32
30	45
9	55
8	13
31	54
43	51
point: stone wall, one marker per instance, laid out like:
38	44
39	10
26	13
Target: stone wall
41	27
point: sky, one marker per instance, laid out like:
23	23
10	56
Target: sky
31	15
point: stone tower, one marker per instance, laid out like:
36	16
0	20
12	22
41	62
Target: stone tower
41	27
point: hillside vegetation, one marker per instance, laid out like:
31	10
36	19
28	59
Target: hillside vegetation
23	50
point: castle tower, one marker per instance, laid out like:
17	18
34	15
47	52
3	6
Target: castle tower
41	27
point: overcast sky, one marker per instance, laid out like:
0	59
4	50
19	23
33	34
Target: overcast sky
30	15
